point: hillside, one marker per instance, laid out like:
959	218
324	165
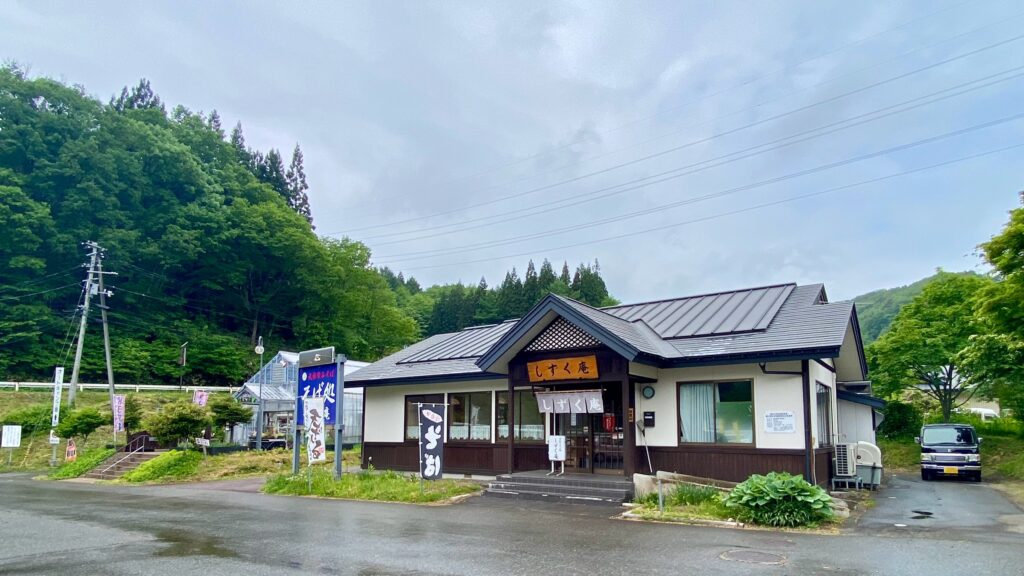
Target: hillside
876	309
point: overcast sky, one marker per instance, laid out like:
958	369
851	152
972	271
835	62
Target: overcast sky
460	139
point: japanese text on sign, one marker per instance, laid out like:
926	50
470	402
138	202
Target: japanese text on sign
575	368
320	382
579	402
313	408
431	444
556	448
118	412
779	423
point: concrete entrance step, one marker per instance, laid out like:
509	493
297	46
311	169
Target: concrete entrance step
573	487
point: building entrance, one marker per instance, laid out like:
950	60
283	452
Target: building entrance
594	442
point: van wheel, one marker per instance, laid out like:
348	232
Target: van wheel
976	477
926	475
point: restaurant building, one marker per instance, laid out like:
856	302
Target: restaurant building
717	385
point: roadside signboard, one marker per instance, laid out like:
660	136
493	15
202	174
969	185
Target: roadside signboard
318	378
316	447
431	447
11	436
556	448
71	454
58	382
202	442
54	439
118	412
200	397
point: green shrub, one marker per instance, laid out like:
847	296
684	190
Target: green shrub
178	422
902	420
81	422
175	464
32	419
779	499
84	463
998	427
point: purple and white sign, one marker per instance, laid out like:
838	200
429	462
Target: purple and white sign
200	397
313	412
320	382
118	411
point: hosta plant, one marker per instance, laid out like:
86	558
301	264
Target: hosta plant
779	499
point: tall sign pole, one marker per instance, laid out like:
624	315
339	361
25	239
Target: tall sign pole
259	408
58	383
321	374
93	257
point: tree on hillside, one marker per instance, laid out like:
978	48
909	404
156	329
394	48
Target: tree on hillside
270	170
227	412
141	97
295	179
178	422
996	358
921	347
81	423
132	414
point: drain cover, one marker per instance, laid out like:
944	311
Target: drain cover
753	557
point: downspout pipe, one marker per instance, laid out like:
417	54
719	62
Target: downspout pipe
805	376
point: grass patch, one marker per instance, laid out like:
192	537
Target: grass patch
244	464
86	462
386	487
173	465
684	502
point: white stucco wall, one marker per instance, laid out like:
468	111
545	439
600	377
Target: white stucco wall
385	406
772	393
855	423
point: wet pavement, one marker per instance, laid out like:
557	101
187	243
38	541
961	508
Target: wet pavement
226	528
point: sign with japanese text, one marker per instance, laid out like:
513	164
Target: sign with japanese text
204	442
574	368
579	402
779	423
320	382
199	397
11	437
431	444
118	412
71	454
54	439
58	382
556	448
313	413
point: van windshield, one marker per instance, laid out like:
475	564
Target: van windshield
951	435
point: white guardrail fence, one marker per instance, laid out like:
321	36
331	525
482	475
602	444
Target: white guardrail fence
136	387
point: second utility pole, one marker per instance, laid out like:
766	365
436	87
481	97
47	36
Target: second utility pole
106	340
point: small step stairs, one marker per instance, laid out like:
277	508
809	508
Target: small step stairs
575	488
114	467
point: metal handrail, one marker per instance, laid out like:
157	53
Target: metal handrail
128	455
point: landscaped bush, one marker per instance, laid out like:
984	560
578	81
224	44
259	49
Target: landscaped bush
33	419
84	463
902	420
779	499
175	464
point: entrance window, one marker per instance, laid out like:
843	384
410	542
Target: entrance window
469	416
824	403
716	412
412	420
529	424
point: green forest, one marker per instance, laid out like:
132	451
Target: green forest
212	241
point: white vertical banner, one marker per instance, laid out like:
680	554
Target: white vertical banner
313	416
118	410
58	384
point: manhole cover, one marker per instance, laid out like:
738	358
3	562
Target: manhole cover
753	557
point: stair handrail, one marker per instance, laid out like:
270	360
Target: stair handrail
141	447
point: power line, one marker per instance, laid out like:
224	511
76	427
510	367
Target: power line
716	93
774	180
7	298
41	278
594	195
692	143
731	212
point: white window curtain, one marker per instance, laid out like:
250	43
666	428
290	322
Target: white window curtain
697	413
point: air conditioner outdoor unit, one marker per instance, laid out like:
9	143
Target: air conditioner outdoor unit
869	464
846	460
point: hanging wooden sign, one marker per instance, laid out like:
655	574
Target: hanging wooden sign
573	368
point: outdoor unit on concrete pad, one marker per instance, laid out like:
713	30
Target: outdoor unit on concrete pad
869	464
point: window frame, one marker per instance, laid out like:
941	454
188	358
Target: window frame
423	399
518	414
450	420
716	443
828	441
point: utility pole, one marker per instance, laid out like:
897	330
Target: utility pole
106	335
93	257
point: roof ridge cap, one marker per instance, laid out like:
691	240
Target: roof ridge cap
704	295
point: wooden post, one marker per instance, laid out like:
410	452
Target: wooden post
805	382
511	422
628	424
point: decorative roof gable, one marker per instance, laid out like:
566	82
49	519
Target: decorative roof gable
562	335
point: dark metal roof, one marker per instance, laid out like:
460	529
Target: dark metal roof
469	343
732	312
865	399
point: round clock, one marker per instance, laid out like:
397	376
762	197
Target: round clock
648	392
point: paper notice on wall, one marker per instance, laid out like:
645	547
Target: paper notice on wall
313	416
779	423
